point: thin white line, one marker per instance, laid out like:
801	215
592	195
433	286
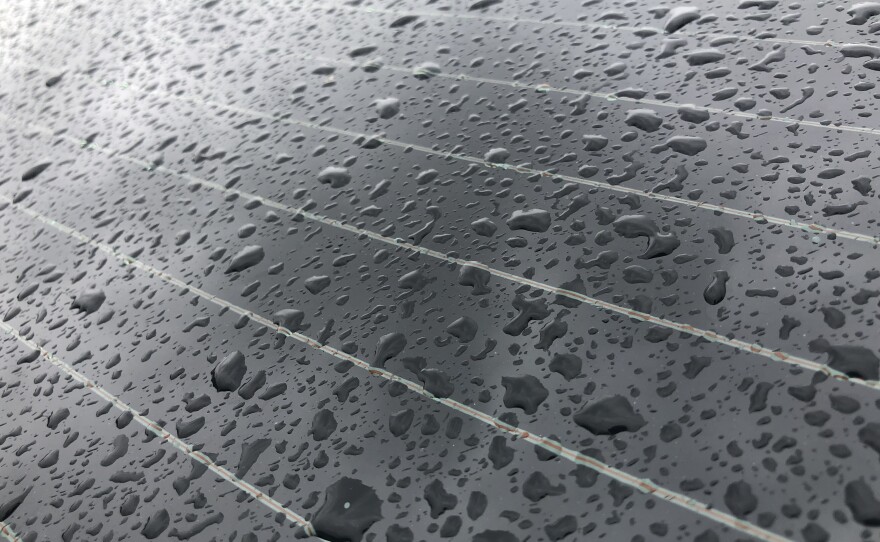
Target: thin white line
810	228
643	485
759	217
609	96
147	423
612	96
708	335
8	533
574	24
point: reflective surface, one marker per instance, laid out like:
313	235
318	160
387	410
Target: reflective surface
483	271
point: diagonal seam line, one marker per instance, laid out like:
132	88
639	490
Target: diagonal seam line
642	484
657	103
810	228
8	534
609	96
151	426
708	335
646	101
756	216
573	24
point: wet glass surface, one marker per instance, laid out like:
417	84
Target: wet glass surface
489	271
